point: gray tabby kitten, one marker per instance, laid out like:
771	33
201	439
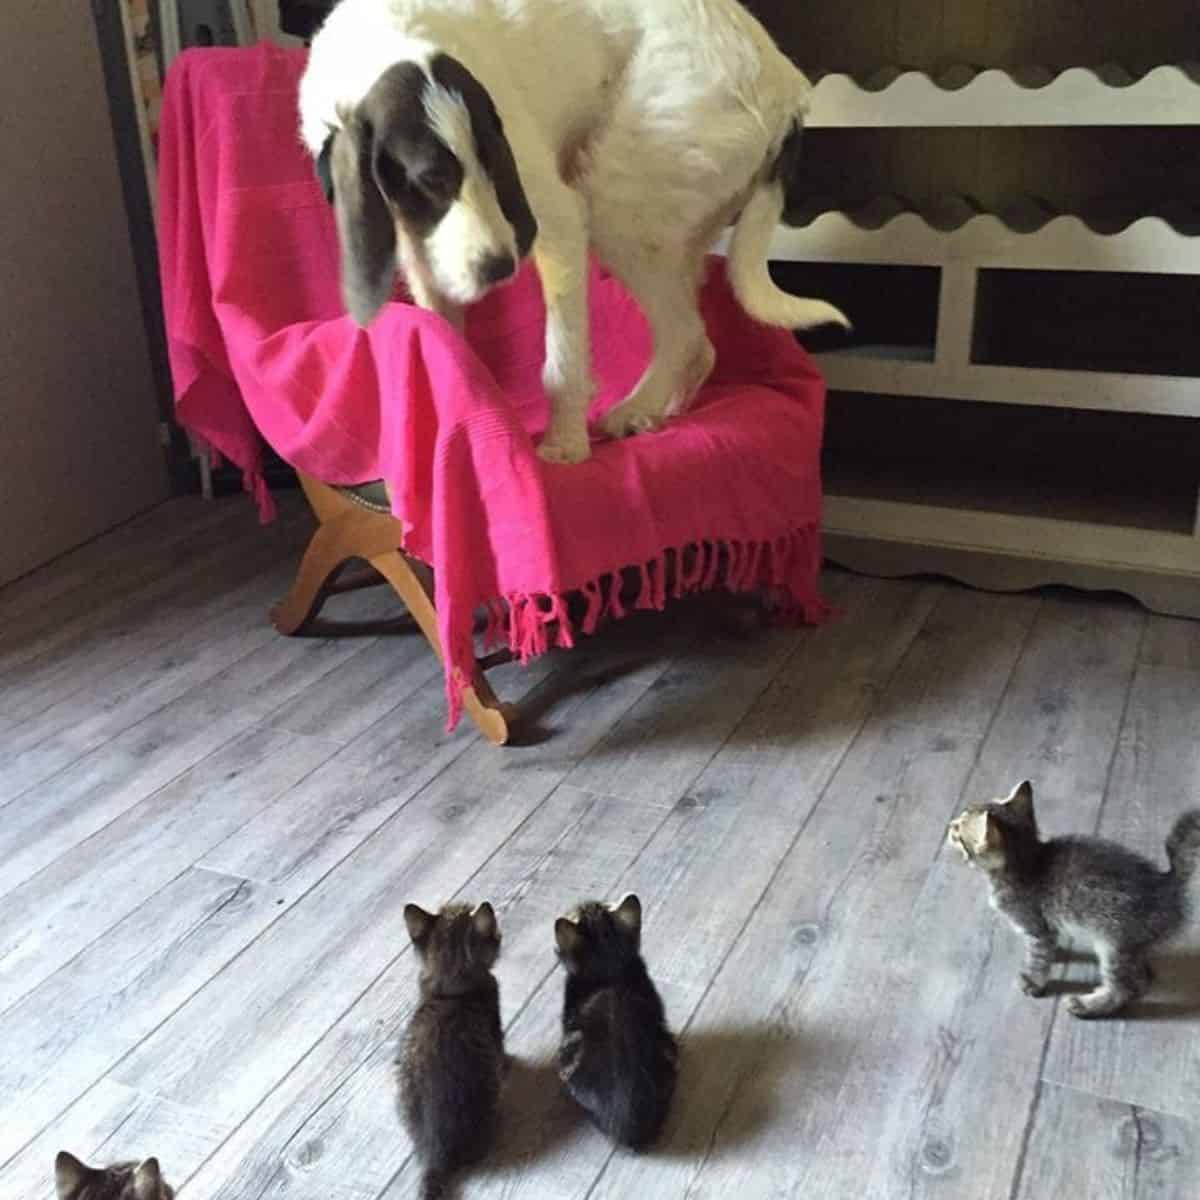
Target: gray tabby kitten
1082	888
617	1059
122	1181
452	1063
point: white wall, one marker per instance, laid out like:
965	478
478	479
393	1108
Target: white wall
79	449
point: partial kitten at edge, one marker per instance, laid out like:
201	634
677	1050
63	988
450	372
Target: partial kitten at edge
74	1180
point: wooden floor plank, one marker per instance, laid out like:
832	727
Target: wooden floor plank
893	1032
62	734
706	869
777	1037
211	831
38	669
46	921
338	1106
110	780
685	717
1172	642
1149	1057
280	997
66	1034
369	685
115	563
1086	1146
111	1123
960	663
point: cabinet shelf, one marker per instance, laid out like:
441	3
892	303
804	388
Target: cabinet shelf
1026	234
964	96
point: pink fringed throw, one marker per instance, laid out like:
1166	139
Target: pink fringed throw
260	349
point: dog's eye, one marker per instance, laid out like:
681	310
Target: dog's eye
436	182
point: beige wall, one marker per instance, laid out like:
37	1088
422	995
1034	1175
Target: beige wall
78	428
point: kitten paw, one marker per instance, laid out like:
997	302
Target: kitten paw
564	452
1091	1006
1031	985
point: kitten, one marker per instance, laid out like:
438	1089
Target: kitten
452	1062
1082	888
618	1059
122	1181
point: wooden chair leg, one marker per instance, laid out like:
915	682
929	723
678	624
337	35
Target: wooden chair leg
326	553
491	716
348	530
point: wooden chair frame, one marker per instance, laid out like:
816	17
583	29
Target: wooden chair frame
347	529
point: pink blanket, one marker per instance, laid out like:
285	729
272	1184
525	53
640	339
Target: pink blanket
260	348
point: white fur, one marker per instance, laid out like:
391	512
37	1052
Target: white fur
640	128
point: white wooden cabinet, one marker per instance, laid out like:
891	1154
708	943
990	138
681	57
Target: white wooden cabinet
1013	222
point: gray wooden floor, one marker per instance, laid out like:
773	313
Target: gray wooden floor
208	833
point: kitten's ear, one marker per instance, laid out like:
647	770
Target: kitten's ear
69	1175
147	1180
483	922
419	922
628	915
567	937
1020	800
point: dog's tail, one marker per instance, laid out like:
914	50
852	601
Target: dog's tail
1183	845
750	247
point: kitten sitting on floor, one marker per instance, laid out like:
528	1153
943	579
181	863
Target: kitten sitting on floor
617	1059
1079	887
122	1181
451	1064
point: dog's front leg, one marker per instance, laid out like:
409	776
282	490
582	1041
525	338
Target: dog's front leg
561	258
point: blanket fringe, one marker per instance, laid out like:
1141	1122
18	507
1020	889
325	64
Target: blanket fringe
784	568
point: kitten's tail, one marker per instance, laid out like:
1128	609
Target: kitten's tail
1183	845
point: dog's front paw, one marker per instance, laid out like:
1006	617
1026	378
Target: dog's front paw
1031	985
622	423
555	451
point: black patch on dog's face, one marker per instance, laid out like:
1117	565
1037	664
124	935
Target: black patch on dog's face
491	146
412	166
386	164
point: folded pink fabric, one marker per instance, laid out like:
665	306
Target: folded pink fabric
261	349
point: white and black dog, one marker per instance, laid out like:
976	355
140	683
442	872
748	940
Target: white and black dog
458	135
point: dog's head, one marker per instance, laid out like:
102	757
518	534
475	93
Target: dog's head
423	156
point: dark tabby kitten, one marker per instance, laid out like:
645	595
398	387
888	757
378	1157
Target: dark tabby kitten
122	1181
1081	888
451	1063
618	1058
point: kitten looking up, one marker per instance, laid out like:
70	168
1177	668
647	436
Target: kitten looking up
451	1063
1081	888
617	1058
74	1180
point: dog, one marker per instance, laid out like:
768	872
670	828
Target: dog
456	137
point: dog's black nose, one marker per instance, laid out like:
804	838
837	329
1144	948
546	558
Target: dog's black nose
496	268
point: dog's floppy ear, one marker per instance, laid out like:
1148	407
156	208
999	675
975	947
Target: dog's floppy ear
368	170
366	229
491	144
506	179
